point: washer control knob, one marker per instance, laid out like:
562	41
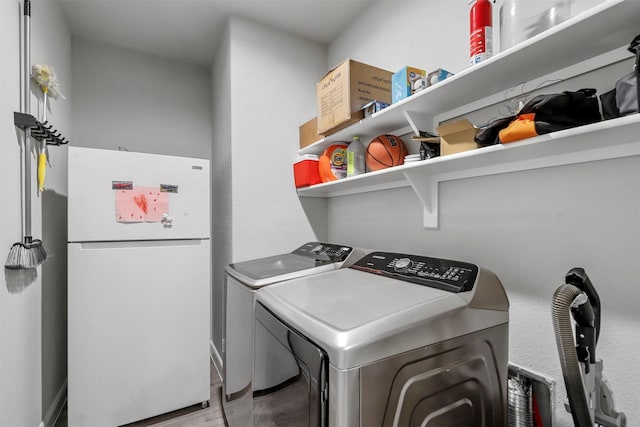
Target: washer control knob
402	264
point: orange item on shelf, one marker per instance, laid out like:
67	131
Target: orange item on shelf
333	163
524	126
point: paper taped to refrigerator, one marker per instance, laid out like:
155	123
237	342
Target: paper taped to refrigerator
141	204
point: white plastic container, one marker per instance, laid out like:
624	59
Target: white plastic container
355	158
522	19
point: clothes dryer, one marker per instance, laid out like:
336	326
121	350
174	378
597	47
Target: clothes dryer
242	280
394	340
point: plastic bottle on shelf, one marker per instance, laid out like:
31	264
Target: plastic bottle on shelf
355	157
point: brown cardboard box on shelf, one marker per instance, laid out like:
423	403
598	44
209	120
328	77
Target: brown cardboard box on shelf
456	137
356	116
345	89
309	133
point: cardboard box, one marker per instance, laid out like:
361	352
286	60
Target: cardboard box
437	76
406	82
456	137
309	133
373	107
345	89
356	116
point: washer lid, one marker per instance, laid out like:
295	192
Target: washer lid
312	257
358	317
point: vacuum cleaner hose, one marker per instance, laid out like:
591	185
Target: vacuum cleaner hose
563	297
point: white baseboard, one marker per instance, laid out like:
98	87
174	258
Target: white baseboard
56	407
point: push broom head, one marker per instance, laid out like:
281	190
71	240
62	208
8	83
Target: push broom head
29	254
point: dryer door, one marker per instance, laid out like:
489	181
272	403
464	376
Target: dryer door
296	394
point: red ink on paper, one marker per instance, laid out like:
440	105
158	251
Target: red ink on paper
141	201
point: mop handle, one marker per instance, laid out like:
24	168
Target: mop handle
27	110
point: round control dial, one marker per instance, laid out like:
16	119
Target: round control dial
402	264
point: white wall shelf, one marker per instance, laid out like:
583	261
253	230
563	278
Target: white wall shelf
595	32
599	30
609	139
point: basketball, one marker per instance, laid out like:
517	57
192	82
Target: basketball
385	151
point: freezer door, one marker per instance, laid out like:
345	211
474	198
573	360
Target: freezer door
138	330
94	176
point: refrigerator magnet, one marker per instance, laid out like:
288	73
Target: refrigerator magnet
122	185
168	188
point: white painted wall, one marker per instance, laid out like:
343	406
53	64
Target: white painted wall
394	34
221	187
264	88
32	319
273	77
51	44
145	103
528	227
420	33
20	331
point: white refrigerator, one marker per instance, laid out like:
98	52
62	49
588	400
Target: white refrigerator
139	268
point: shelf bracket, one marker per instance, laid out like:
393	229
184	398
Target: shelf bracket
418	121
426	188
412	124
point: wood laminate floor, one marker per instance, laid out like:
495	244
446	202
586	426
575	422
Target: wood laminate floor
193	416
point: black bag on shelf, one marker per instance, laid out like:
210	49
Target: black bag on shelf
624	99
488	134
543	114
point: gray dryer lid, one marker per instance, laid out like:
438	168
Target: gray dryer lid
310	258
357	317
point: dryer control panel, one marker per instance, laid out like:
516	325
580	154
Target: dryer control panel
444	274
324	251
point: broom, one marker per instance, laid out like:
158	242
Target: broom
29	253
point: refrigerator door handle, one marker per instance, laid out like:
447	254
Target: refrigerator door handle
122	244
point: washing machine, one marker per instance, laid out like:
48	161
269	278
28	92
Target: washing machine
394	340
242	280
